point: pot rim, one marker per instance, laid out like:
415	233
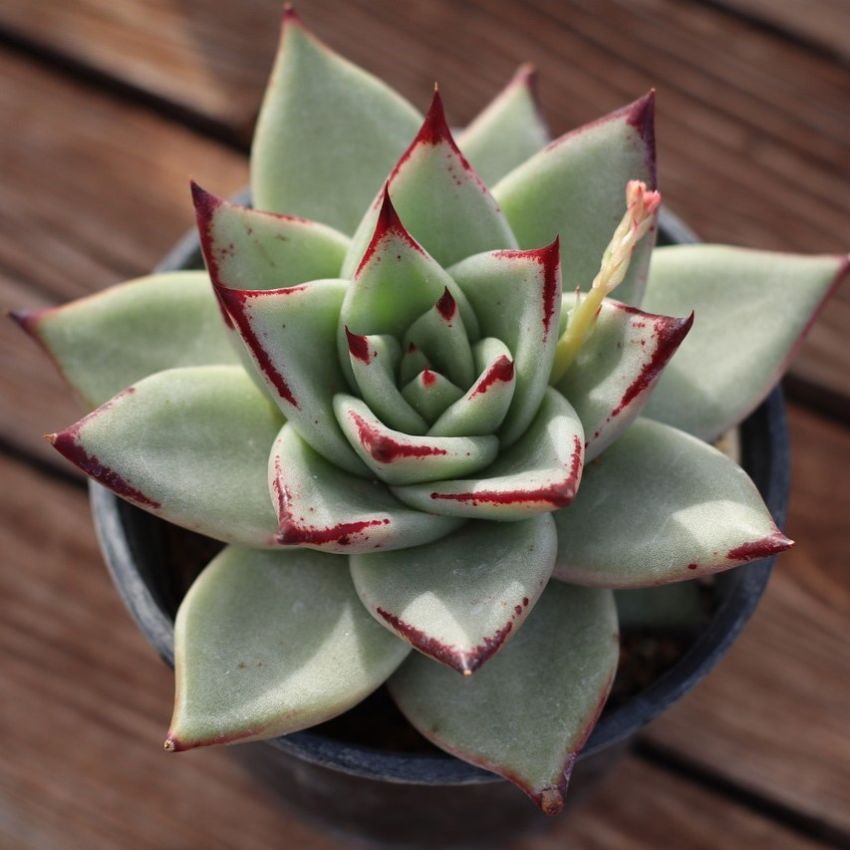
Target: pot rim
765	455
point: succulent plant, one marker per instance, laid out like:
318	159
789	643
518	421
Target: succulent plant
409	406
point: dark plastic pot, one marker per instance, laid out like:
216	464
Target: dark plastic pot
425	799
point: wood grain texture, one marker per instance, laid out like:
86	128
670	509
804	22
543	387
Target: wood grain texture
85	702
94	191
754	149
774	716
822	24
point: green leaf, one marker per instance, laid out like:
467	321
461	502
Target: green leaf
538	474
442	201
575	188
460	600
661	506
413	361
327	135
107	341
257	657
322	507
291	335
753	309
517	298
440	334
190	445
247	249
484	406
526	714
508	131
400	458
431	394
617	367
396	282
374	360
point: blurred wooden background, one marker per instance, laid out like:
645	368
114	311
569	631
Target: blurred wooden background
109	106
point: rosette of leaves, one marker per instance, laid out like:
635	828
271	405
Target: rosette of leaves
404	399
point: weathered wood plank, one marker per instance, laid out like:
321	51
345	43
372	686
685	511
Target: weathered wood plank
823	24
94	191
84	704
774	715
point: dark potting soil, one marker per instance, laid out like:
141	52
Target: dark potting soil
645	654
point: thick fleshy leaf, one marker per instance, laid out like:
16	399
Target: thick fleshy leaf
575	188
257	656
327	135
485	405
431	393
322	507
459	600
508	131
107	341
617	367
441	200
413	361
539	473
661	506
517	298
247	249
394	284
753	309
403	459
291	334
190	445
374	361
440	334
526	714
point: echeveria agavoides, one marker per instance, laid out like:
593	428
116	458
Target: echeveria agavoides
425	357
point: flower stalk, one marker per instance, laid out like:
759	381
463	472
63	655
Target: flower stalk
641	205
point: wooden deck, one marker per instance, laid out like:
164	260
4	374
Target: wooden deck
110	105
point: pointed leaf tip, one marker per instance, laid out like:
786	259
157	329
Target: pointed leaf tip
358	345
772	544
435	128
387	224
641	116
447	306
205	203
26	320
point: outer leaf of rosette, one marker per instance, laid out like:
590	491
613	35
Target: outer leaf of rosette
527	713
246	248
327	134
575	188
321	507
291	334
394	284
442	201
517	298
401	458
190	445
107	341
460	600
508	131
484	406
374	361
753	310
662	506
267	643
617	367
540	473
